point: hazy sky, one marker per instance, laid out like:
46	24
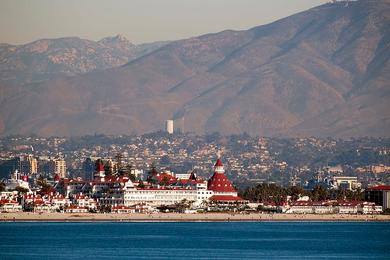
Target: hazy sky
22	21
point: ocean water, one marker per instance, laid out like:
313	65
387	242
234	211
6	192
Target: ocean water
195	240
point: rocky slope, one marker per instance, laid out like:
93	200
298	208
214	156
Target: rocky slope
322	72
53	58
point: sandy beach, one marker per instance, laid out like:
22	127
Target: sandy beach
69	217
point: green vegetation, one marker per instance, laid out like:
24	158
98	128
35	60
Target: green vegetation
21	190
2	186
44	186
277	194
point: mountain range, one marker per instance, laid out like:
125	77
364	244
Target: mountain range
321	72
52	58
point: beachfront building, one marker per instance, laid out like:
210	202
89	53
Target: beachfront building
219	184
9	205
163	189
158	196
380	195
137	208
218	188
370	208
84	201
300	207
331	207
76	209
348	207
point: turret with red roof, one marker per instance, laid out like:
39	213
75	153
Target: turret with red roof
223	190
219	183
99	169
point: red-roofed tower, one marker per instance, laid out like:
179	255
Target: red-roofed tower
99	169
219	183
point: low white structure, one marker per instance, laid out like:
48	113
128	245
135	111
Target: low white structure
17	180
370	208
348	208
346	182
10	206
76	209
158	196
331	207
300	207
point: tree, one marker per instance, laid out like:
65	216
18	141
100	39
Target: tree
108	168
41	181
165	160
183	205
21	190
2	186
141	185
152	173
164	181
132	177
341	194
104	208
127	171
295	192
44	186
319	193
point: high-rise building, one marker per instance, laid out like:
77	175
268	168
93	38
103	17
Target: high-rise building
26	165
169	126
56	167
60	167
33	164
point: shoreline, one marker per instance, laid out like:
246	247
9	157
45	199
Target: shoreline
181	217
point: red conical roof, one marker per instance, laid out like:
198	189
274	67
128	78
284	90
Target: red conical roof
219	182
218	163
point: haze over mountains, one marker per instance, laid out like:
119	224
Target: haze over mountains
323	72
52	58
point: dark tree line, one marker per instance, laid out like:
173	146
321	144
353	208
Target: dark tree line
277	194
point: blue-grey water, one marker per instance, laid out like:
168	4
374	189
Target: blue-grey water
197	240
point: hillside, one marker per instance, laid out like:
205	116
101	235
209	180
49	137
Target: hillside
322	72
52	58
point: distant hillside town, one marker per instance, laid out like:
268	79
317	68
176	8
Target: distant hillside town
187	173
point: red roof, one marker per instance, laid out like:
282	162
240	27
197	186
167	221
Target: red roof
58	196
218	163
5	201
346	203
165	177
187	181
57	178
121	207
379	188
302	203
80	197
220	183
225	198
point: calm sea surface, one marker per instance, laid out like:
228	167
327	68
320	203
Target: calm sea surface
198	240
